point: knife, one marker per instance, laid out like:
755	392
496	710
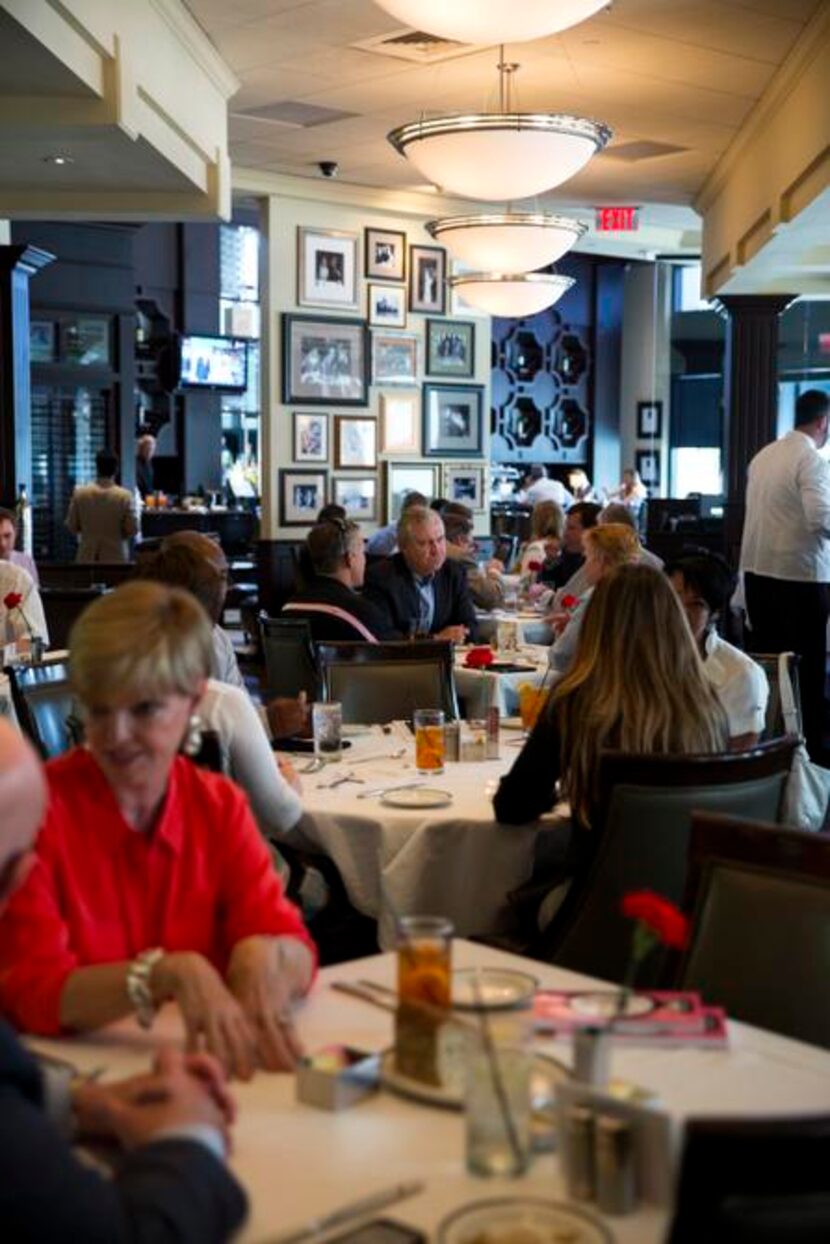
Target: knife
387	790
355	1209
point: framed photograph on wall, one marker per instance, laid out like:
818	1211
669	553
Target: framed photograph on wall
403	477
427	279
358	494
324	360
311	436
400	420
464	482
301	495
647	462
326	268
387	306
385	254
650	419
355	441
453	417
394	358
41	341
450	348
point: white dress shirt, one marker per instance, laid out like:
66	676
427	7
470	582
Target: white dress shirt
15	625
17	558
740	685
787	524
548	490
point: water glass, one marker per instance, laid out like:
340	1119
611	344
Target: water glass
424	994
498	1105
327	727
507	636
429	740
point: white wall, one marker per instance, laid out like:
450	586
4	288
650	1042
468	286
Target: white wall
646	359
281	215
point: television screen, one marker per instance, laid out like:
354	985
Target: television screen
214	363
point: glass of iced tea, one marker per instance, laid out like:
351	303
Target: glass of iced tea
531	702
429	740
424	993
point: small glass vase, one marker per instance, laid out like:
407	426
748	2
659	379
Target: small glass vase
592	1056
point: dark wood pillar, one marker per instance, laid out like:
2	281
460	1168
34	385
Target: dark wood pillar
750	394
17	265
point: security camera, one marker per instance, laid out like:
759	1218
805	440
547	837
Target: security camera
329	168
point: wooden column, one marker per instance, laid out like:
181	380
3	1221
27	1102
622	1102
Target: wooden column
17	265
750	394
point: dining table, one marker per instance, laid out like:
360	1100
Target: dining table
483	687
532	625
299	1162
433	845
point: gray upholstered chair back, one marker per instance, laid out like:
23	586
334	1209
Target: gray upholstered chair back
646	803
387	682
761	937
290	662
46	708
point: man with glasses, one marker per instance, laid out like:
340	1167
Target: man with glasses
331	601
420	592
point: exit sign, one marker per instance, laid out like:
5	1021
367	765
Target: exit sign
617	219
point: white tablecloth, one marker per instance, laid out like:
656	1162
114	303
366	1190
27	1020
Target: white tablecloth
479	690
298	1162
533	628
454	861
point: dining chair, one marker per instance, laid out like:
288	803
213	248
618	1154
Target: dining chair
387	682
641	836
45	705
290	661
62	606
754	1181
760	943
774	725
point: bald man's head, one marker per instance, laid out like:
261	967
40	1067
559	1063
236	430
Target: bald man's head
22	805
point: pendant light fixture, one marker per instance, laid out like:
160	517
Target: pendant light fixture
512	295
484	22
503	155
507	241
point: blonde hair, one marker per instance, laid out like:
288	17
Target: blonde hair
142	639
636	683
547	521
615	543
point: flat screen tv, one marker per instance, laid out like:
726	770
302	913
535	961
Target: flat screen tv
218	363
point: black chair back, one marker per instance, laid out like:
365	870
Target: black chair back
761	932
754	1181
46	709
290	661
642	835
387	682
63	606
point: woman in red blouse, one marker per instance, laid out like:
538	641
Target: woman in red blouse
151	880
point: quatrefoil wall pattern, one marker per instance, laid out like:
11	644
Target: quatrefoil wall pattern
540	385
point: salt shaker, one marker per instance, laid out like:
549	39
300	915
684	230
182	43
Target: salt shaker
616	1189
579	1152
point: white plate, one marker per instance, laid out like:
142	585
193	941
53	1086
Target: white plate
491	989
417	797
502	1219
604	1004
545	1074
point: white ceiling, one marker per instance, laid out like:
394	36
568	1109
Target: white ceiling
684	73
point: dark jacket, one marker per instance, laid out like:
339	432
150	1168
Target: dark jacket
170	1192
326	628
390	585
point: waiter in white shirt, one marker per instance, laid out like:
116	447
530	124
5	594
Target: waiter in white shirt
540	487
785	553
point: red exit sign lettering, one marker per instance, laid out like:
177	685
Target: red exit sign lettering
617	219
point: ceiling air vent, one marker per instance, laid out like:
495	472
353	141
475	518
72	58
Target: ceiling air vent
413	45
631	153
294	114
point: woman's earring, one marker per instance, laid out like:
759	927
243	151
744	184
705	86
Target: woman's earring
193	738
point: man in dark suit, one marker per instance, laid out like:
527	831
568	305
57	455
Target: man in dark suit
173	1187
330	601
419	590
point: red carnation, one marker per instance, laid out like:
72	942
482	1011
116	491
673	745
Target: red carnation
478	658
660	917
534	567
12	600
569	602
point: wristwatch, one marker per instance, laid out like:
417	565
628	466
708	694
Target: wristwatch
138	985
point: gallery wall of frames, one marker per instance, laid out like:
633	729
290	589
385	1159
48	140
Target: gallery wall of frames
382	376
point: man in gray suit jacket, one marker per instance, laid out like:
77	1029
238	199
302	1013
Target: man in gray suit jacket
102	515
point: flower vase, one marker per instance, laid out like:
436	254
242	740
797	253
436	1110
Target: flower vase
592	1056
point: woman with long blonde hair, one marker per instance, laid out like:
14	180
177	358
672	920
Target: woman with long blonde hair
636	684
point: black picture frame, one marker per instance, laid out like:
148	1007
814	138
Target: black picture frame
650	420
451	348
323	382
453	420
293	510
428	297
385	254
647	462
